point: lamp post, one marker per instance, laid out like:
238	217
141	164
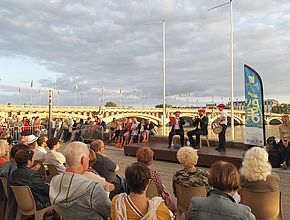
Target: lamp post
232	62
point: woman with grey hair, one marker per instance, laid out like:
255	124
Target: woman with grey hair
189	176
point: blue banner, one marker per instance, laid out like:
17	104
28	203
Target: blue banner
254	108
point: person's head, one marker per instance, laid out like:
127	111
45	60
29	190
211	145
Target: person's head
53	143
137	177
41	141
81	121
97	146
134	120
201	111
32	141
16	148
18	119
77	156
24	135
255	165
145	155
187	156
285	120
92	157
24	158
220	107
4	148
4	135
224	176
177	114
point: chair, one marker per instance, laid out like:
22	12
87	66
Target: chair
184	196
5	189
152	191
264	205
206	139
26	203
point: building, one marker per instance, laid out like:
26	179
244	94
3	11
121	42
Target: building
269	104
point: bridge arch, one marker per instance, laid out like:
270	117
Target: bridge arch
274	120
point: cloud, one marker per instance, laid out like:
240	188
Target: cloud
119	45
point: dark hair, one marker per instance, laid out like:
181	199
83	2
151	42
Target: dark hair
224	176
41	139
81	120
52	142
96	145
137	177
16	148
25	133
145	155
23	156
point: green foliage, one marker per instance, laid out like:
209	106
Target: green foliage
281	109
111	104
161	106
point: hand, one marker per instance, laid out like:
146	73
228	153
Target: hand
110	187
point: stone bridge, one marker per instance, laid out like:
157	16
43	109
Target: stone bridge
108	113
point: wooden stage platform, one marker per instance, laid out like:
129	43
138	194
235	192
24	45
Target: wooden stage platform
207	155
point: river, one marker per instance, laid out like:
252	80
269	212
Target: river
271	130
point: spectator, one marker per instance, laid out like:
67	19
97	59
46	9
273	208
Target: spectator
102	123
16	128
219	203
134	130
256	172
143	131
31	141
189	176
25	176
25	124
107	168
40	150
53	157
145	155
136	205
24	136
74	195
113	128
4	152
284	131
93	175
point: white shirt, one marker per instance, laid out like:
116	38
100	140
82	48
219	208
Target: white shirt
134	128
223	114
176	126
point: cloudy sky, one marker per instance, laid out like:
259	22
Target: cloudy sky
117	45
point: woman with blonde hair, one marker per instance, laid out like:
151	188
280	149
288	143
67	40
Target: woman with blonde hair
256	172
284	132
189	176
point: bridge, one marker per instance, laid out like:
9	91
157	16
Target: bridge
108	113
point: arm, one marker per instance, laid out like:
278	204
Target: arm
181	121
100	201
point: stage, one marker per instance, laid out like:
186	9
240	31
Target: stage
207	155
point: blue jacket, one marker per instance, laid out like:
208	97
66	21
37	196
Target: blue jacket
218	206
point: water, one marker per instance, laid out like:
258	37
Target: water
271	130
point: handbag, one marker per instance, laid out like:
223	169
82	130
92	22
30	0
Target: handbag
168	201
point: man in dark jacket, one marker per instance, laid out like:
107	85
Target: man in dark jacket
177	128
201	123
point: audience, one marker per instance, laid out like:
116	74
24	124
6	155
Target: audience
31	141
284	132
40	150
4	152
25	176
189	176
136	205
53	157
74	195
145	155
256	172
219	203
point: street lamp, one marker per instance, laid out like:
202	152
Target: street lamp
232	62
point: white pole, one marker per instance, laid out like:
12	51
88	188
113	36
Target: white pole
164	78
75	97
232	70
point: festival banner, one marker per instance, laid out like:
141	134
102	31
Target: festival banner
254	108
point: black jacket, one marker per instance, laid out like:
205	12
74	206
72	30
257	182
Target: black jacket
202	123
181	123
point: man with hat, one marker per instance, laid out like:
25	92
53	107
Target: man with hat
201	123
177	123
222	121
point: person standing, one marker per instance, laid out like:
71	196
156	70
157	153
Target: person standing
222	121
177	129
284	132
201	123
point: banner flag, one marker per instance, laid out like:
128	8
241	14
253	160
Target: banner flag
254	108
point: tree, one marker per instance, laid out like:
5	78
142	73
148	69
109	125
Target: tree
111	104
161	106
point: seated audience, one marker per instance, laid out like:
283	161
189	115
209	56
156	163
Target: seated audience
134	130
284	132
31	141
256	172
93	175
53	157
74	195
4	152
107	168
113	128
40	150
219	203
145	155
24	135
135	205
189	176
24	175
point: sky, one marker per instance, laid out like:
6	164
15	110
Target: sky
112	51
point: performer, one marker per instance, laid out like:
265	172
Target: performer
201	123
222	121
177	129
